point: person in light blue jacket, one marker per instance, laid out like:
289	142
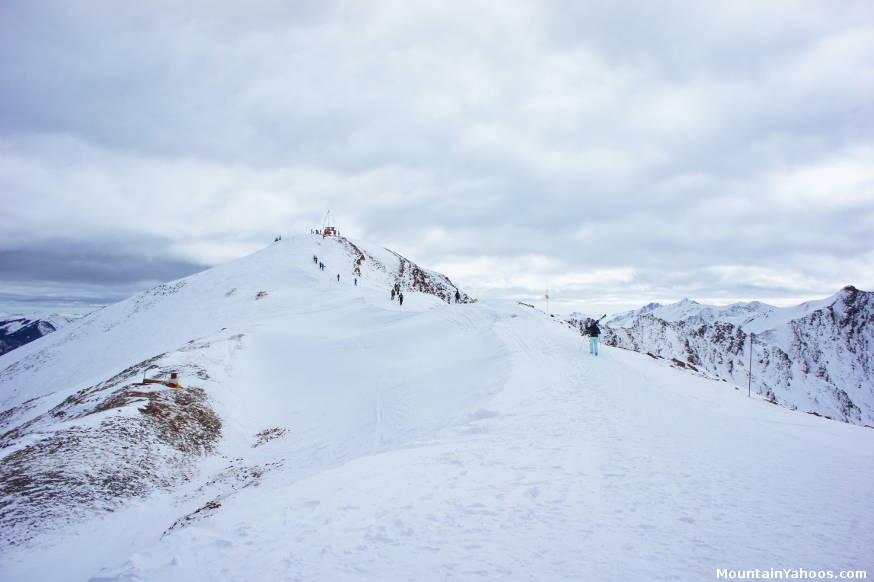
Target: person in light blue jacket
594	331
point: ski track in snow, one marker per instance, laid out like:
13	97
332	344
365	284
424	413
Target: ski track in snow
478	442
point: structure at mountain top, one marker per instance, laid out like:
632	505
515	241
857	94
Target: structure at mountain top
816	357
17	330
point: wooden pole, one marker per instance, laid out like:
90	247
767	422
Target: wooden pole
750	370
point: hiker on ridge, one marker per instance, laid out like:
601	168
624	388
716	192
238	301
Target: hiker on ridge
594	332
401	298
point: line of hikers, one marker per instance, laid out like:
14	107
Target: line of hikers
322	266
396	290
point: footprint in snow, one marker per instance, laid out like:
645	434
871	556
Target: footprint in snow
482	413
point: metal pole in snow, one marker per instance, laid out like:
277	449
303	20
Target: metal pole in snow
750	370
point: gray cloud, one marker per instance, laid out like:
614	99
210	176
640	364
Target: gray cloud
621	152
108	263
72	273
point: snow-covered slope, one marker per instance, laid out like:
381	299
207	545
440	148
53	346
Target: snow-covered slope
816	357
324	432
17	329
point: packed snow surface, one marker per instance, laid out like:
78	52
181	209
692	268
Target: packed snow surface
436	441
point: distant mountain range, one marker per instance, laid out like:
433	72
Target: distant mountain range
815	357
17	329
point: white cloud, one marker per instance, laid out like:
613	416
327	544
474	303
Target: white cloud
837	181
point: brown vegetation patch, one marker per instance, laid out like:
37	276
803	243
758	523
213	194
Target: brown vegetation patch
84	463
268	435
200	513
685	365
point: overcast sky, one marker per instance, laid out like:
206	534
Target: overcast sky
616	152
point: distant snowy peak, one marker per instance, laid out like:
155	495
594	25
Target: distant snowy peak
815	356
754	316
12	322
693	312
627	318
18	329
849	300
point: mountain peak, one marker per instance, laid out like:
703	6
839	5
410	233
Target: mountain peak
848	292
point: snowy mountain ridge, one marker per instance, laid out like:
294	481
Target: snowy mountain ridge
17	329
52	401
323	431
815	357
691	311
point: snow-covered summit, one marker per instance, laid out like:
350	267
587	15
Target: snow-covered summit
79	382
239	294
